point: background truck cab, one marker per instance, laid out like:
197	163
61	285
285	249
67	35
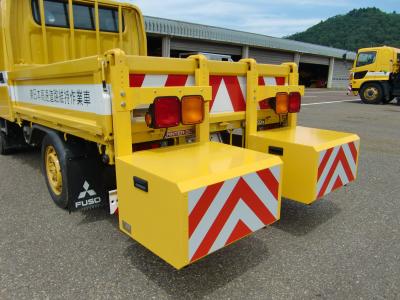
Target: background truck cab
375	74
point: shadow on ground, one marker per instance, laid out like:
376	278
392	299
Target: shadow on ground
29	156
390	104
97	215
300	219
204	277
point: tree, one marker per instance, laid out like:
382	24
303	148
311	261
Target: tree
359	28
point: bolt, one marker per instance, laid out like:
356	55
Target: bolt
123	94
105	159
123	104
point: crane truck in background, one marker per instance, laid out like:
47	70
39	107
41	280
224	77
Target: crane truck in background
194	153
375	75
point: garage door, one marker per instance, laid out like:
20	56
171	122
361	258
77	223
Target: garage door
314	59
340	78
270	57
199	46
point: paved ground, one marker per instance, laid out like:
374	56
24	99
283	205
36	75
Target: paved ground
346	246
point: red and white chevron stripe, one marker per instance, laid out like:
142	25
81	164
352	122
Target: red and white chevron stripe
228	92
142	80
337	167
225	212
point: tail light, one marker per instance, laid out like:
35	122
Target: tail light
192	110
281	103
164	112
294	102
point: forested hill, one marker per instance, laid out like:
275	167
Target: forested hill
359	28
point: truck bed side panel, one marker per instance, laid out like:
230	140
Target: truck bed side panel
66	96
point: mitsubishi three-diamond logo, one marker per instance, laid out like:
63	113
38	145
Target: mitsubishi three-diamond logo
86	191
87	198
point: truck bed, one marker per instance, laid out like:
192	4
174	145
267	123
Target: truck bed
75	96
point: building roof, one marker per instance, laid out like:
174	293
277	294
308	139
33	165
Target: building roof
211	33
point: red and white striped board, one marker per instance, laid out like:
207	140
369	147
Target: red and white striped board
228	92
142	80
337	167
225	212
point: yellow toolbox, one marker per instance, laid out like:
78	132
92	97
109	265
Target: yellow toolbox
185	202
316	161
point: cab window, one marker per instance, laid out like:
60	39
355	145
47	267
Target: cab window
108	19
57	15
366	58
83	17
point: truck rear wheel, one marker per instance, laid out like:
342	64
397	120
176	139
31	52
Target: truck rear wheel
54	163
371	93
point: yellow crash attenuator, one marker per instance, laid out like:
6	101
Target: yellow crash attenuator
186	202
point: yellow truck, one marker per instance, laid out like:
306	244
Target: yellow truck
375	75
194	154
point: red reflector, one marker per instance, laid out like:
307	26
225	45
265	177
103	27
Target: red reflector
294	102
167	112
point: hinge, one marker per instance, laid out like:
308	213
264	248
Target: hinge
103	75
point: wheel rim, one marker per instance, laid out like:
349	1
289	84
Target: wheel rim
371	93
53	170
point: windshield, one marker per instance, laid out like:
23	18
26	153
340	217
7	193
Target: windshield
366	58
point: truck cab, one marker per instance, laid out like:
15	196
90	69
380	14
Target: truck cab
372	74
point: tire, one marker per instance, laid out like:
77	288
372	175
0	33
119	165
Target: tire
371	93
54	167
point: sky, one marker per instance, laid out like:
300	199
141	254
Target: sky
275	18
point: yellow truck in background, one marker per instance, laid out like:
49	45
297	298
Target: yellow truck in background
195	154
375	75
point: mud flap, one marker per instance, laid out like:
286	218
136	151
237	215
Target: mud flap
89	181
185	202
316	161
